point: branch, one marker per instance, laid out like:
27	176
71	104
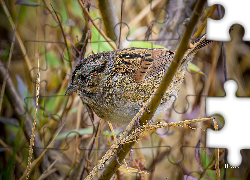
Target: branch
153	104
110	19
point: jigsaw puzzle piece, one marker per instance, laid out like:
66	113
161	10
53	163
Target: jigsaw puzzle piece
219	29
150	17
154	152
162	41
175	24
188	104
170	28
182	161
199	162
230	137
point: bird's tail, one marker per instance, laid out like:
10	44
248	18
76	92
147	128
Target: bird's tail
195	46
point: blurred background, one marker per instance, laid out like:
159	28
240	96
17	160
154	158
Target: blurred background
59	33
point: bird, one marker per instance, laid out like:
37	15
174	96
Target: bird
116	84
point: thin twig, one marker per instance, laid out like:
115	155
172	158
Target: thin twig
60	24
9	59
112	130
78	171
217	155
100	31
208	13
46	173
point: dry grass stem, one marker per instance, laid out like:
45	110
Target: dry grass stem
217	155
34	122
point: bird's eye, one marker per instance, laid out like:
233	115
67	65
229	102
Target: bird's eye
83	77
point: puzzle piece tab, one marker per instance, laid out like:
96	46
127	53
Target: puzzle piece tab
234	14
235	111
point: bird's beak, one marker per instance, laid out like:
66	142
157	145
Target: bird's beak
71	89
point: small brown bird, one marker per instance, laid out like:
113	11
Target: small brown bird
116	84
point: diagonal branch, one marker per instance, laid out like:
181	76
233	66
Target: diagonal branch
66	44
153	104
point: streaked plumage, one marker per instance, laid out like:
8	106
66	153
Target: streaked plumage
116	84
